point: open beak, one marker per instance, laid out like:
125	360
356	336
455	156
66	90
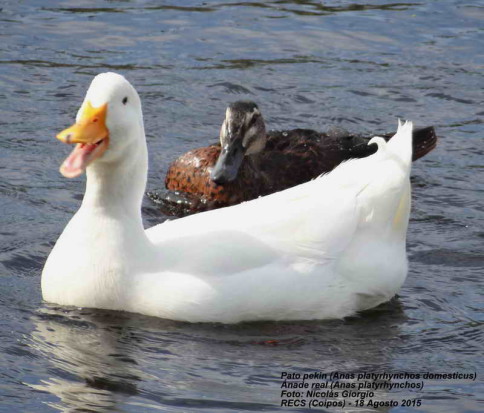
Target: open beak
228	162
91	135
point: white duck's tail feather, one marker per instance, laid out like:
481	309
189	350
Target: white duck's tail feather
401	144
386	198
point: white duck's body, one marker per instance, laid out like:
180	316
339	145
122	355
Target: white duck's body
324	249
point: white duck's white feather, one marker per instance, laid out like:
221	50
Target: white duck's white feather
324	249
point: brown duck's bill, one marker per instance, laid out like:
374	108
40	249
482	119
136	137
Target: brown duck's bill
228	163
90	134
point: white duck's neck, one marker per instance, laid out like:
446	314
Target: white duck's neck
105	241
116	188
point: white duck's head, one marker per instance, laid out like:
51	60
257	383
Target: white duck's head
108	122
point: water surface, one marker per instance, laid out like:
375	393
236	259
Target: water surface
358	65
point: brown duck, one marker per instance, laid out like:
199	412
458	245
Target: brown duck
250	162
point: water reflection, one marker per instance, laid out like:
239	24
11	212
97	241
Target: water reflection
92	369
101	360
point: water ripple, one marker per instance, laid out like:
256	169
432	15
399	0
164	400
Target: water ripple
307	64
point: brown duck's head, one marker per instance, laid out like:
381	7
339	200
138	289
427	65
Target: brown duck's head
243	132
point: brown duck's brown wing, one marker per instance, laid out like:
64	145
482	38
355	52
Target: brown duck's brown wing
290	158
299	155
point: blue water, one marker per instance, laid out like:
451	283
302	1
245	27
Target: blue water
357	65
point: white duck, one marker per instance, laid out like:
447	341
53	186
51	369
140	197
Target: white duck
324	249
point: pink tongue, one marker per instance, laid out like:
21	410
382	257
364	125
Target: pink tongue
76	162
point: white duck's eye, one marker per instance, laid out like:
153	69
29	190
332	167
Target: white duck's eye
125	100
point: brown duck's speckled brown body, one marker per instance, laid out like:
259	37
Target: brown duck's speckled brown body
190	174
288	159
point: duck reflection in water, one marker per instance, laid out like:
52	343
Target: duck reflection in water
90	352
104	361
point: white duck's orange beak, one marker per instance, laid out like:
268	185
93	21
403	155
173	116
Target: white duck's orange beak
90	134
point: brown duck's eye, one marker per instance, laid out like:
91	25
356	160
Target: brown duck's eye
125	100
252	121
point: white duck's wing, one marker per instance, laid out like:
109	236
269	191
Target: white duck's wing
315	220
